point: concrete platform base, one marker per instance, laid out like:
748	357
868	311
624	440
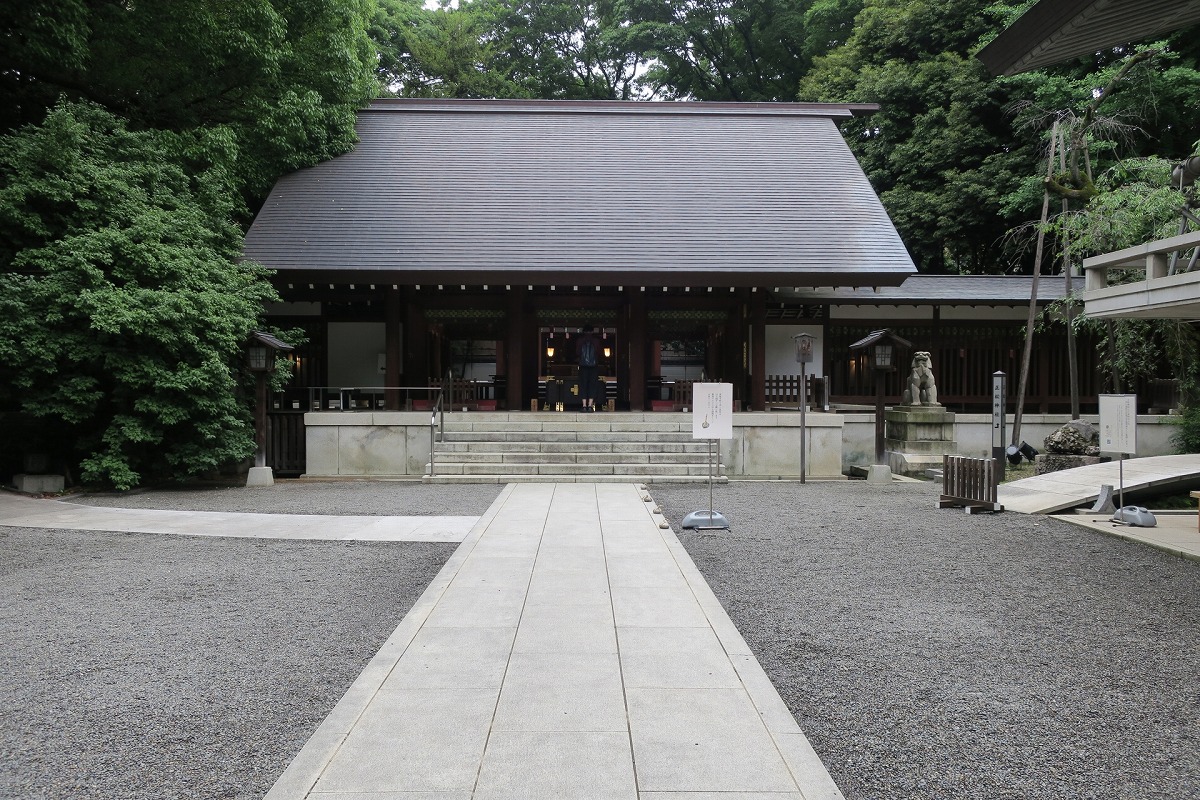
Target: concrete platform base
260	476
39	484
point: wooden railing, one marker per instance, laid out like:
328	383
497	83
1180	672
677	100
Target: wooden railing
785	390
969	483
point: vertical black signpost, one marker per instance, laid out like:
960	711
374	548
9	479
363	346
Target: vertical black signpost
998	391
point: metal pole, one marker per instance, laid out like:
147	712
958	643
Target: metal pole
803	408
878	416
710	480
432	428
1121	480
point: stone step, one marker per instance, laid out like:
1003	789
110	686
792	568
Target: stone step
571	447
649	470
622	478
525	457
569	426
565	436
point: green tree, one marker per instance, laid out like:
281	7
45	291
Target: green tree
284	76
123	306
738	50
563	50
943	152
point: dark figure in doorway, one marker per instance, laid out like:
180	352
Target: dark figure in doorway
586	351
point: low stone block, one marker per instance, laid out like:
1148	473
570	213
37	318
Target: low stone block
39	484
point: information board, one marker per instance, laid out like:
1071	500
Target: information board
712	411
1118	423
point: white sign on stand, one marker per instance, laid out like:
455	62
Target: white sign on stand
712	418
1118	424
1118	434
712	412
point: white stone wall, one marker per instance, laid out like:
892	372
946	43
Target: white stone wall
764	445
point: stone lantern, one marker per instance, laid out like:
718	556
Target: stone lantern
880	346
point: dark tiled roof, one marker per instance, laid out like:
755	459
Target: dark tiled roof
940	290
1052	31
598	193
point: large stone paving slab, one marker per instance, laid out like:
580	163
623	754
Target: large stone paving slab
569	649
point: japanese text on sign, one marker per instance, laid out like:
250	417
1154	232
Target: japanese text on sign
712	411
1118	423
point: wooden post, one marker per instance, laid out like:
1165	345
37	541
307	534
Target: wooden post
758	351
392	334
514	352
635	345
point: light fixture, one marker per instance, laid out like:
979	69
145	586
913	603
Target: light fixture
608	352
883	356
258	358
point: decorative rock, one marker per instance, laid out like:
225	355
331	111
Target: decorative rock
1074	438
1055	462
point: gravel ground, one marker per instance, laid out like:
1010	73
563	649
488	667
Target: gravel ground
928	654
141	666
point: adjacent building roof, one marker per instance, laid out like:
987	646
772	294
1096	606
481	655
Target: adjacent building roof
612	193
941	290
1052	31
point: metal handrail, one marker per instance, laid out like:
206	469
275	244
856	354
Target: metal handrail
437	422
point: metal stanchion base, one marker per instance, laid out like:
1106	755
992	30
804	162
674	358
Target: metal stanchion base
704	520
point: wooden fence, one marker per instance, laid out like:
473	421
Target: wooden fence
285	442
969	483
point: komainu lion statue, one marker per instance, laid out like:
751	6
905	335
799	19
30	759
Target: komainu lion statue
920	389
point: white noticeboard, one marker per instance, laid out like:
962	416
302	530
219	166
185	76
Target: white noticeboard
712	411
1118	423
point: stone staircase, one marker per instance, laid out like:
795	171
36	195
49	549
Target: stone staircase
569	447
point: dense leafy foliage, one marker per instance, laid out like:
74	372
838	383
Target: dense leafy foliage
123	307
139	137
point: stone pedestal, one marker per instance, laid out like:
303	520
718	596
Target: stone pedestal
916	438
260	476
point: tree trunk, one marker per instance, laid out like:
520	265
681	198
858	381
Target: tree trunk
1033	294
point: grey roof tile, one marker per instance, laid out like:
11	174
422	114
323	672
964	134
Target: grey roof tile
670	193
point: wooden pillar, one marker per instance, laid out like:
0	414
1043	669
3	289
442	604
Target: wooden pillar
737	347
514	355
636	347
758	351
393	308
712	353
416	343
